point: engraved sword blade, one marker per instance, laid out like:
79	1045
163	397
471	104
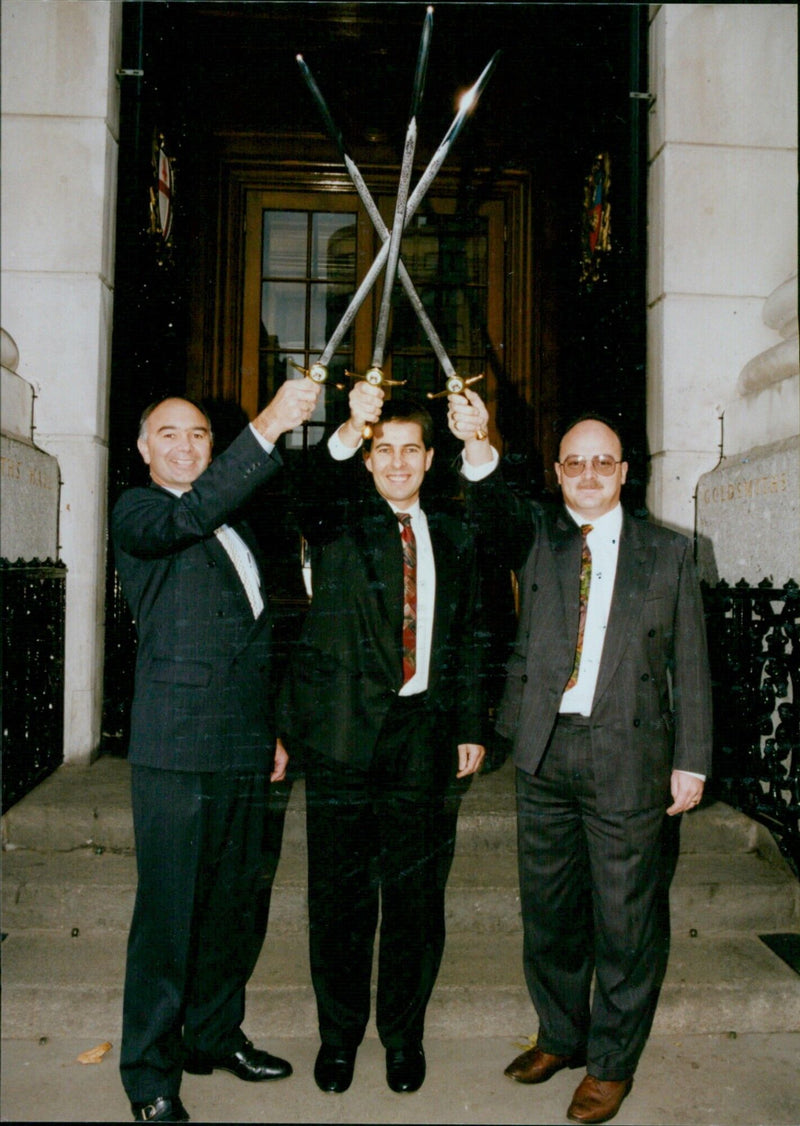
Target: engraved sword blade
468	103
403	187
376	218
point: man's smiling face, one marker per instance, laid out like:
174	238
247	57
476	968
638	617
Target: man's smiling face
591	494
398	462
176	444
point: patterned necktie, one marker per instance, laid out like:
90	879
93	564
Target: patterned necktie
585	581
409	596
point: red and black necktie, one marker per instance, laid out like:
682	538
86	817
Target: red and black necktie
409	596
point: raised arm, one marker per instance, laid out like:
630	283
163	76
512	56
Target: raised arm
503	522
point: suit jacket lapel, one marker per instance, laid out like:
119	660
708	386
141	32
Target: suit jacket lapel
566	540
634	567
377	538
447	579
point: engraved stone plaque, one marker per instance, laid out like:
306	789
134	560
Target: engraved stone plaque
29	485
748	516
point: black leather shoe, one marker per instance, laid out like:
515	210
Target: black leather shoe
333	1070
405	1068
160	1109
252	1064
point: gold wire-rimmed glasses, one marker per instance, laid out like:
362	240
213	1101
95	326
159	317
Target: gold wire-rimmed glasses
604	464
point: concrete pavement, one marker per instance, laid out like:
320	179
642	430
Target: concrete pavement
711	1080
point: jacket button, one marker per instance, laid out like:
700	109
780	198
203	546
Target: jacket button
651	633
524	678
637	723
645	676
535	586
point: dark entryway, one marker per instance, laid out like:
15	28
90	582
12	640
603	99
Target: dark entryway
556	329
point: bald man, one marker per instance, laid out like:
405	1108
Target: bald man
608	705
202	748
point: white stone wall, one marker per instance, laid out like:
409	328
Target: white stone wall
60	118
722	234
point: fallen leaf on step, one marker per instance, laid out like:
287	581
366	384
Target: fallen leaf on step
95	1055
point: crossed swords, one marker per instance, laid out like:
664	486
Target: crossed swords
406	205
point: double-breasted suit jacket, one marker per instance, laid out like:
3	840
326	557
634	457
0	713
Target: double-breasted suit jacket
652	704
347	667
202	748
201	701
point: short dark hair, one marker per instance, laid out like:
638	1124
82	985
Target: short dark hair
591	416
148	410
407	410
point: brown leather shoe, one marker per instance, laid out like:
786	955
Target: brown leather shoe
535	1066
598	1100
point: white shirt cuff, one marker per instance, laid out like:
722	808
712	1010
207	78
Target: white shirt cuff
262	441
338	450
691	774
478	472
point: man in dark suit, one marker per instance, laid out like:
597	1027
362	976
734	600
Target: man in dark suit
202	748
383	697
607	702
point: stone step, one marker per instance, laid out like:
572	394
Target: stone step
711	892
79	806
63	986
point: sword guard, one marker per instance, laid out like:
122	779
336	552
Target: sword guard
376	378
317	373
455	386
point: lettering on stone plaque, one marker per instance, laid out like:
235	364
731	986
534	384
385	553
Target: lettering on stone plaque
10	467
769	485
14	470
39	479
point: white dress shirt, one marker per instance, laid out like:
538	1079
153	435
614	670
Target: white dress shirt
426	599
237	550
426	578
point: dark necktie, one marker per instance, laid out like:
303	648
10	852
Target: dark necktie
585	581
409	596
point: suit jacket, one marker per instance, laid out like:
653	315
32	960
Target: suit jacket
652	705
347	668
201	696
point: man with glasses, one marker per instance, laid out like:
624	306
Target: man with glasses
607	701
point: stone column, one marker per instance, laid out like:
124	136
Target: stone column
722	223
60	120
28	476
748	506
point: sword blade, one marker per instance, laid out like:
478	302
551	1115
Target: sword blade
468	103
403	187
376	219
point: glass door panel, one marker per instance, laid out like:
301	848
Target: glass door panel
448	258
305	255
306	277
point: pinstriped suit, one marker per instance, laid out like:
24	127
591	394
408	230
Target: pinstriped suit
595	849
201	751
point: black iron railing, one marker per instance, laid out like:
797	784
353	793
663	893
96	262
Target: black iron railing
752	636
33	673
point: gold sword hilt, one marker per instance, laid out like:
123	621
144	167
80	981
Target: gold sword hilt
317	373
455	386
375	378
